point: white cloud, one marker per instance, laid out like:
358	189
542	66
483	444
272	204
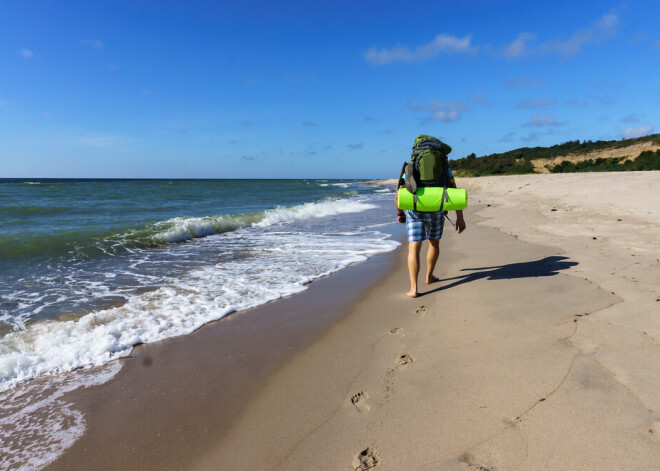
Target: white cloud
440	111
538	121
518	48
446	111
443	43
93	44
359	145
25	53
480	99
531	137
633	132
309	124
599	31
534	103
631	118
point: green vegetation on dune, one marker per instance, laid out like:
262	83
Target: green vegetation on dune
495	164
518	161
647	160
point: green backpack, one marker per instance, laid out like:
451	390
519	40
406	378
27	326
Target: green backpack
428	166
429	161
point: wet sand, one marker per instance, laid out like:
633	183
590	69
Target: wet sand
537	349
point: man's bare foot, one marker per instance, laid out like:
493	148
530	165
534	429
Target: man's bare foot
431	279
412	294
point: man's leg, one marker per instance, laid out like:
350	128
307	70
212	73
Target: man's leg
413	266
431	259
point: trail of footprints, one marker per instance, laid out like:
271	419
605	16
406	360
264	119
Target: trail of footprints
369	458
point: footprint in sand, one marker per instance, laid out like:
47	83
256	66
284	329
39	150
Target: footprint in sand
368	459
422	310
397	331
473	463
359	400
405	359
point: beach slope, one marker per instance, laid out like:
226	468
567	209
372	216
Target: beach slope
537	349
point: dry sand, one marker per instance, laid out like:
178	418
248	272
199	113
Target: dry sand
538	349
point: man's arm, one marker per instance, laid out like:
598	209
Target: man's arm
460	222
400	215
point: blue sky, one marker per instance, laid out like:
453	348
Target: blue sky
257	89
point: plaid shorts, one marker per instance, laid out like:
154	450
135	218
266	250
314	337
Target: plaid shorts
423	226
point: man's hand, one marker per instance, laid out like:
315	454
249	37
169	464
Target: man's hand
460	225
401	217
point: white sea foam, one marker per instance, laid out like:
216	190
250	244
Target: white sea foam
244	261
37	425
312	210
184	304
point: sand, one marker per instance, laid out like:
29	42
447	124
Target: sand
538	349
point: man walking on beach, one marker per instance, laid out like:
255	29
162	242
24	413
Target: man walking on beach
425	226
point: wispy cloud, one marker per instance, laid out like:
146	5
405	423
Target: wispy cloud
443	43
525	82
480	99
93	44
355	146
575	102
25	53
531	137
538	121
631	118
439	111
519	47
657	44
534	103
249	158
309	124
598	32
508	137
526	45
633	132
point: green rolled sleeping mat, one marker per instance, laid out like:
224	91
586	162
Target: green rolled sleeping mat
429	199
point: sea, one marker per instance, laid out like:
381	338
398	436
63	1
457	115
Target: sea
90	268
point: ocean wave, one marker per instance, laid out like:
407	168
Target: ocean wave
185	304
89	242
312	210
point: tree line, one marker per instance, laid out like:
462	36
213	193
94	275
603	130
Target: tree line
518	161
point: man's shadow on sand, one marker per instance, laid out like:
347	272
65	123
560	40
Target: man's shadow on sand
548	266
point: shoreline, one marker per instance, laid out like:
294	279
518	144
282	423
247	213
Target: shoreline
523	356
201	382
